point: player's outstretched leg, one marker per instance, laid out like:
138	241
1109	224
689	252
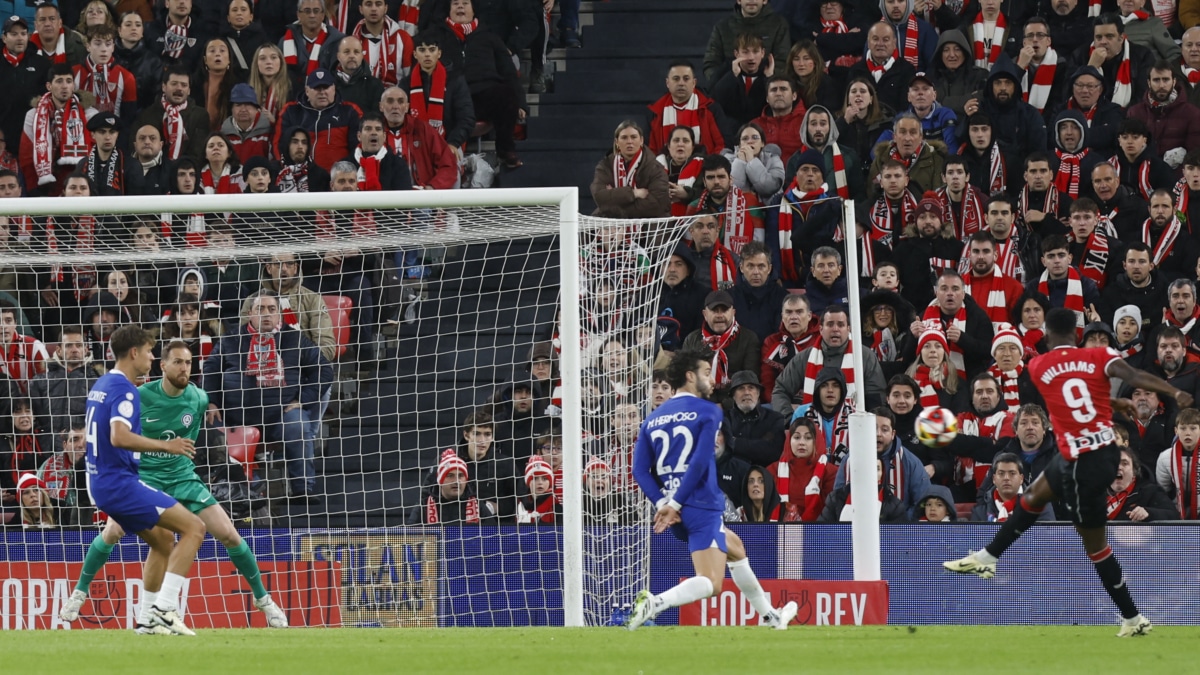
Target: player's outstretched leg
982	563
710	571
190	529
97	554
217	522
747	582
1095	541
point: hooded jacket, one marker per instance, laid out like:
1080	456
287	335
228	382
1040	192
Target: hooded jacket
1106	120
1175	124
1014	119
772	28
1089	161
683	301
927	37
318	177
850	158
940	492
956	87
307	310
333	130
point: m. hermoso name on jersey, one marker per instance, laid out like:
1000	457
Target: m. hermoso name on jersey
671	419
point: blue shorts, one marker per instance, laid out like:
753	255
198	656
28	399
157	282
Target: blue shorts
701	528
135	506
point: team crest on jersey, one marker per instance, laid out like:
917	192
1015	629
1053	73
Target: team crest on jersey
187	420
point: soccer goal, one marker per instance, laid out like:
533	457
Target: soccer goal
498	324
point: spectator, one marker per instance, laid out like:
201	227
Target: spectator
1104	116
843	171
244	34
826	284
300	307
937	506
756	298
184	322
749	16
49	151
742	90
738	212
895	205
809	80
59	394
184	126
331	122
1174	250
389	47
987	158
759	501
178	36
683	106
132	52
377	167
628	183
838	506
967	328
1172	347
492	473
270	80
935	375
298	172
797	384
804	218
450	501
247	129
1172	122
154	178
938	122
889	73
715	266
603	505
268	374
1141	286
800	474
22	75
1147	30
310	43
1138	168
755	167
1075	159
915	37
681	298
1114	52
1042	207
928	245
442	101
228	280
955	76
1070	24
1094	252
886	317
23	449
863	118
614	446
1016	256
156	278
130	305
540	506
214	81
24	356
520	417
684	164
983	427
430	160
37	511
64	474
101	318
660	390
109	169
1062	283
782	118
354	80
734	348
95	13
52	40
1014	382
796	333
1001	100
1134	495
922	160
1190	62
481	57
755	432
1007	482
113	87
222	172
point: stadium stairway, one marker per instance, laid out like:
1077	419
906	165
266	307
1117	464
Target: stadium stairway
620	69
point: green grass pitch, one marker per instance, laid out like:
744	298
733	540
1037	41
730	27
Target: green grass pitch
652	650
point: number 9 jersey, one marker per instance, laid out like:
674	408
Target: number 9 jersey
675	455
1075	384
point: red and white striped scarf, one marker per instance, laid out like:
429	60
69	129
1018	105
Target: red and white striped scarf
929	387
263	362
1095	255
687	178
793	202
1182	198
909	161
722	267
362	224
228	183
789	346
883	228
1074	297
13	59
462	30
866	249
1030	337
176	38
834	27
368	169
1008	260
717	343
1166	241
105	82
1008	380
625	172
1049	204
1192	74
972	219
429	105
432	515
966	470
394	58
408	14
84	276
686	115
60	137
59	55
988	47
996	304
194	236
1116	502
840	185
1123	85
813	467
1145	189
933	318
1169	319
1004	508
1093	8
997	170
290	56
737	227
877	71
174	131
911	52
1185	476
1037	93
1068	177
816	361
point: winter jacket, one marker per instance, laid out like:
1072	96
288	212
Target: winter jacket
193	51
808	233
940	492
762	175
987	511
493	478
1151	34
861	138
923	174
1070	32
21	84
759	308
1162	176
333	130
939	125
311	313
1151	300
1132	211
979	166
254	142
327	58
892	87
755	436
789	386
851	160
196	126
1174	125
60	395
976	340
821	296
772	28
619	202
731	474
362	89
1058	291
243	43
739	104
483	61
1140	60
1098	129
393	171
242	401
914	257
892	510
784	132
1015	120
1150	496
431	162
707	110
146	65
743	353
458	112
956	87
452	513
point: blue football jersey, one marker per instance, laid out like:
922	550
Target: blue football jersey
112	399
675	456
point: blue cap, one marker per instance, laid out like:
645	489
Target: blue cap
319	78
243	93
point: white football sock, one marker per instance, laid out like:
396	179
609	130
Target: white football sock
687	591
168	594
148	598
748	584
984	557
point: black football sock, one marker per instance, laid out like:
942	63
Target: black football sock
1113	579
1013	528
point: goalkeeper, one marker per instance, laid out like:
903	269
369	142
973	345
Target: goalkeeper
174	407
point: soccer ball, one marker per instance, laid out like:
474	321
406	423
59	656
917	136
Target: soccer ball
936	427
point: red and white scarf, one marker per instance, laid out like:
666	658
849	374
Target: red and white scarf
1095	255
789	346
471	508
625	172
997	170
1116	501
1037	93
911	52
1008	260
430	106
971	220
909	161
988	47
933	318
1009	380
722	267
1186	478
811	467
462	30
737	227
408	15
1074	297
1123	84
368	169
263	362
929	386
59	55
877	71
686	115
228	183
176	38
841	186
13	59
1145	189
716	343
793	201
816	361
394	58
533	510
1166	241
1004	508
1068	177
290	56
1093	8
1192	74
688	175
105	82
1049	205
994	301
866	249
59	136
883	227
174	131
1169	319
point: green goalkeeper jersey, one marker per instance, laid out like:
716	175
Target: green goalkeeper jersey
164	418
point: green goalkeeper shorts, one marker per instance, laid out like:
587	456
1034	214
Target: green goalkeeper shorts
191	492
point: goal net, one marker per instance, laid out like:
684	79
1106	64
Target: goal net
406	426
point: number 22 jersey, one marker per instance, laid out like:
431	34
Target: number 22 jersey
1075	384
675	455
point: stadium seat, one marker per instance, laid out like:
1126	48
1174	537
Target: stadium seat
964	510
339	313
241	443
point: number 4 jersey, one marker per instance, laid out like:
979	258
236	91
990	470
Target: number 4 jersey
1076	387
675	456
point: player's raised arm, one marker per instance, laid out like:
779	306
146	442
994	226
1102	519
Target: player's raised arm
1140	379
